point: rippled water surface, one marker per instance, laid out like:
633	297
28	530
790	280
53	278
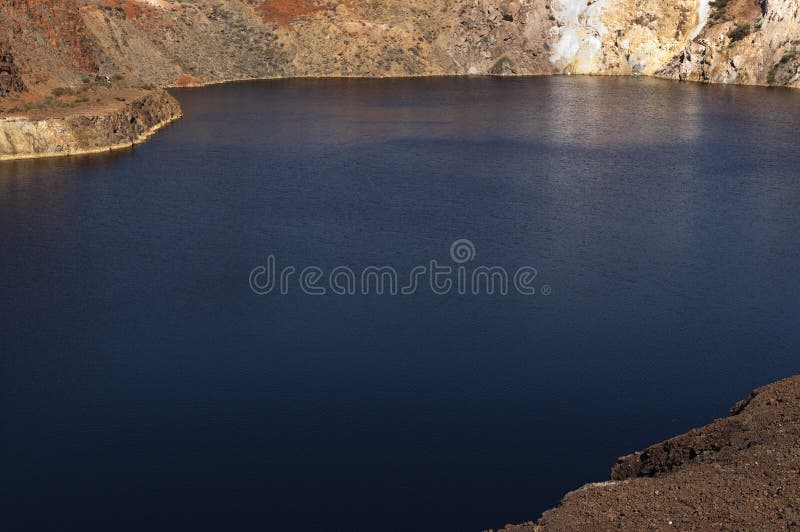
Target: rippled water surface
144	386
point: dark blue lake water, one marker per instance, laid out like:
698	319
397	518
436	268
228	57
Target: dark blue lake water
145	386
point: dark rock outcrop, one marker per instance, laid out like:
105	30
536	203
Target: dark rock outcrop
10	78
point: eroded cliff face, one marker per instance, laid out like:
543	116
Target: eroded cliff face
50	49
163	41
746	42
719	41
88	131
621	36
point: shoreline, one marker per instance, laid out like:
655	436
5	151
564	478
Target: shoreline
177	113
77	133
140	139
201	84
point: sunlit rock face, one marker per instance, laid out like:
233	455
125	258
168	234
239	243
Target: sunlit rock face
578	35
621	36
745	41
121	125
722	41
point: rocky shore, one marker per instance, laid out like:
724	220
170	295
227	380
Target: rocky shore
738	473
88	130
66	56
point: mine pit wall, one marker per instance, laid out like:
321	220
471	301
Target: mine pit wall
46	45
129	124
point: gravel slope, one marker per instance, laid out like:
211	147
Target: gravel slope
738	473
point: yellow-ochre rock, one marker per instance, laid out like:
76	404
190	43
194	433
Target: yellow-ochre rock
119	127
622	36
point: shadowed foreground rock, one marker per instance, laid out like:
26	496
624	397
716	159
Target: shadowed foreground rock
738	473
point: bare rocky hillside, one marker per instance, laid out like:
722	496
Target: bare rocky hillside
50	44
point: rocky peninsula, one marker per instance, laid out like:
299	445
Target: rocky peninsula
129	120
69	68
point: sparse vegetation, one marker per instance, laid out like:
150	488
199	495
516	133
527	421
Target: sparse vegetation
718	7
62	91
740	32
45	103
782	71
645	20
